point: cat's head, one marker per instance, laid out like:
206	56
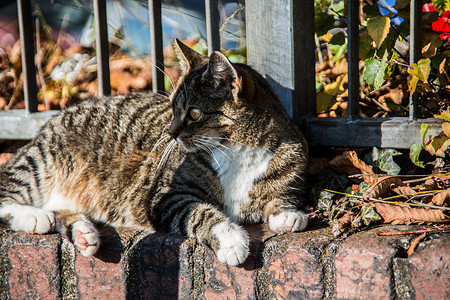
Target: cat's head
214	101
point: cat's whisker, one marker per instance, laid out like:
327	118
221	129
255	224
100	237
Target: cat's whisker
166	154
203	146
160	141
225	138
217	146
165	74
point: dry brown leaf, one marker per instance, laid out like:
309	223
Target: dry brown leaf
343	223
404	190
349	164
4	157
382	187
397	214
429	185
441	199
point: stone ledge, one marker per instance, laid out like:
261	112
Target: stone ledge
306	265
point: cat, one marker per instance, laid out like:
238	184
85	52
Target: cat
218	153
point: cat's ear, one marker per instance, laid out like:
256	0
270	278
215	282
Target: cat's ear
189	59
221	73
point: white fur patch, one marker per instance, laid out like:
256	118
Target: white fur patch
28	218
233	243
238	169
288	221
57	201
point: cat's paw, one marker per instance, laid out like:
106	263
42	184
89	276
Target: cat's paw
233	243
85	237
288	221
31	219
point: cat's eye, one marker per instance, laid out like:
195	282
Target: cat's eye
195	114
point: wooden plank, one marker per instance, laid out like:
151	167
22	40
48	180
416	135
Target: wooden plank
353	59
156	38
19	125
280	45
398	133
102	47
212	25
27	48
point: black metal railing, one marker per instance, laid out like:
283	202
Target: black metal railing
293	38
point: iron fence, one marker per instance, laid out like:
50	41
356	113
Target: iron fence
280	45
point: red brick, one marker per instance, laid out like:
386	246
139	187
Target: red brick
364	265
294	267
234	282
163	265
101	276
32	265
430	268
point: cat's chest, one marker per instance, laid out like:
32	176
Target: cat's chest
238	169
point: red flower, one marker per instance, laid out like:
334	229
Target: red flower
428	7
443	24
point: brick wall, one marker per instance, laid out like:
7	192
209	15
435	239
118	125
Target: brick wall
307	265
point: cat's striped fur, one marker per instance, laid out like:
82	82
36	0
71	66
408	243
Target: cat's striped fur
237	159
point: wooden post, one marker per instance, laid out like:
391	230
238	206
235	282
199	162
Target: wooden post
280	45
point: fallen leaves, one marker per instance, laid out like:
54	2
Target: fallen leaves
404	214
377	196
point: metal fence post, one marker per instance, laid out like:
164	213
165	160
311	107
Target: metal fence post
212	25
27	47
102	48
154	10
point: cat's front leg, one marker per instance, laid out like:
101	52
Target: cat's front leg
82	232
229	241
282	218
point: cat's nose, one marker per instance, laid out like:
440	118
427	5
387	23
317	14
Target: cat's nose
174	130
173	134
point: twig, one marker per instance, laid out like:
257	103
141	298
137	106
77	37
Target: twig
230	17
382	106
414	243
430	205
434	229
414	203
394	82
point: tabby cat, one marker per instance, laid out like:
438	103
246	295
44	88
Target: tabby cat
220	151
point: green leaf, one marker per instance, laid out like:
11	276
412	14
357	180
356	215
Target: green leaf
369	214
423	131
374	72
323	22
330	180
338	45
444	116
383	160
419	71
365	48
441	5
325	200
363	187
378	28
414	153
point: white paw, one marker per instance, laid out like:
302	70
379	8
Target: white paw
85	237
28	218
233	243
288	221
